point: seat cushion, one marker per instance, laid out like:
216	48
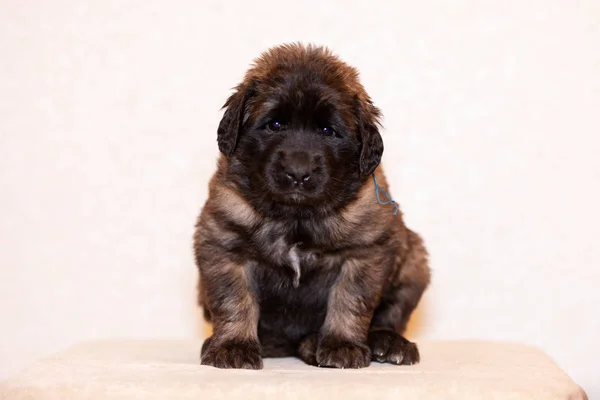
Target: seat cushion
169	369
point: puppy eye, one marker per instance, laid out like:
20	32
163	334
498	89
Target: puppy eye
275	126
327	131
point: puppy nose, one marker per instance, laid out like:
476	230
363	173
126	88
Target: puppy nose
297	177
298	168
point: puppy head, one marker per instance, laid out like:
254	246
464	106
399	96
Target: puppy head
300	132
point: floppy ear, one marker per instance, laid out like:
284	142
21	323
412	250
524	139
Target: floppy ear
371	141
236	113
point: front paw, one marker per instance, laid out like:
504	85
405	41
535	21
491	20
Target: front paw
334	353
240	354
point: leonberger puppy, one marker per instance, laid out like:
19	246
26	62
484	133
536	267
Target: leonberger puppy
298	255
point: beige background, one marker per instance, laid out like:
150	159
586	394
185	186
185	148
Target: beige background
108	112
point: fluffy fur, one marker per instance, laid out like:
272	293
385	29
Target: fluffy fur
295	255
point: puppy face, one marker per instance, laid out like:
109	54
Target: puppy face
300	133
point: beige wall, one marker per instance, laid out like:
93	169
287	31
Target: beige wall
108	111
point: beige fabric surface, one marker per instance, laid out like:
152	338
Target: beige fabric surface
169	369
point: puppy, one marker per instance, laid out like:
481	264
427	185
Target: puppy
296	256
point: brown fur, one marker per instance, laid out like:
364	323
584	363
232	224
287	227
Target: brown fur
331	278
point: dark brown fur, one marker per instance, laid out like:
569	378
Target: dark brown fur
331	276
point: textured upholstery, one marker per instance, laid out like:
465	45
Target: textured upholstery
168	369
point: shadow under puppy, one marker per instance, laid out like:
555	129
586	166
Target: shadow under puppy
296	256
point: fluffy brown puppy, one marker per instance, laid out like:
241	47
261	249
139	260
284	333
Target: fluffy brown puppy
296	256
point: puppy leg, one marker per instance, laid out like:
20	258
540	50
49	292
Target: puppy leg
234	312
352	300
398	302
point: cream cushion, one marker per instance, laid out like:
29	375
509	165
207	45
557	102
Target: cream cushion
170	369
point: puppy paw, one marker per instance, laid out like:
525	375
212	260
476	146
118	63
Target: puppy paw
333	353
307	350
240	354
389	346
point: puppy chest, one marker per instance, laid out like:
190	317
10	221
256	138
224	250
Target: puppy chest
291	260
301	281
306	268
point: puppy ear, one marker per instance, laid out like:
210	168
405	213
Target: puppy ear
236	113
371	141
